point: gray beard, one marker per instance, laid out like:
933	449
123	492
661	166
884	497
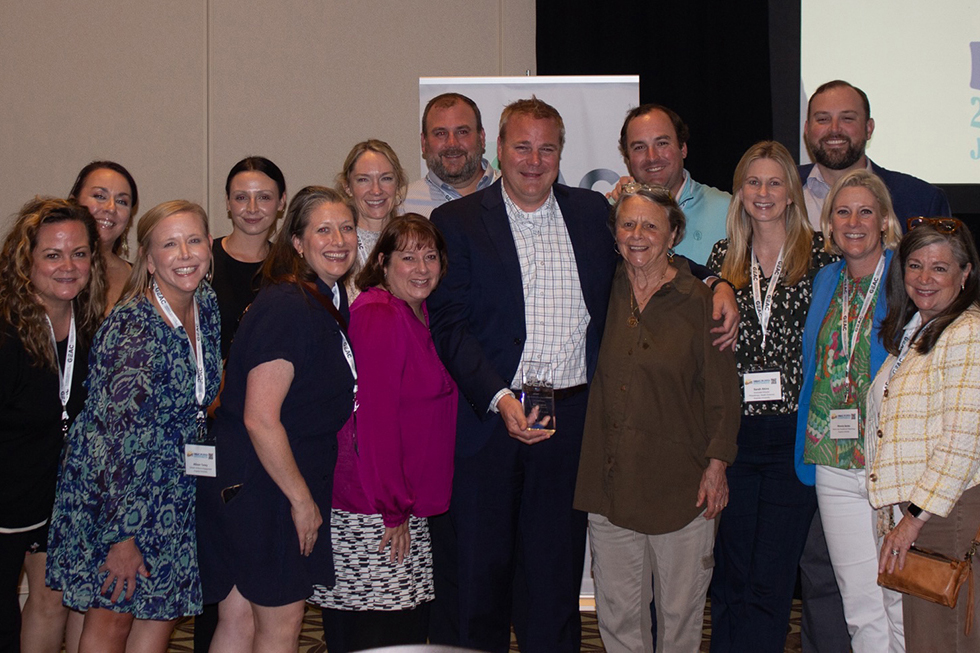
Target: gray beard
470	167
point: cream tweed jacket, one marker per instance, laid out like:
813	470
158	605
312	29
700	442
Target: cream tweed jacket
929	425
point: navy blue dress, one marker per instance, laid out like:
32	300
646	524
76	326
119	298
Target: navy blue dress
250	541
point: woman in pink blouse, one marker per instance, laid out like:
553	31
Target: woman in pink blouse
395	459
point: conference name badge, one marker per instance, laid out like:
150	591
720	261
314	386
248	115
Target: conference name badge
200	460
762	385
844	424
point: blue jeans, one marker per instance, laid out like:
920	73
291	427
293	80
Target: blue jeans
760	538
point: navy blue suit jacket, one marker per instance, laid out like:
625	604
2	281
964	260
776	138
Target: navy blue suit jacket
477	311
911	197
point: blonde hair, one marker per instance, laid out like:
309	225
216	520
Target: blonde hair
139	278
736	267
374	145
892	233
535	109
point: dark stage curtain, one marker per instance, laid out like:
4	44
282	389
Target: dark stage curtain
730	69
709	61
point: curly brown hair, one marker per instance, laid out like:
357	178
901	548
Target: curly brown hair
19	305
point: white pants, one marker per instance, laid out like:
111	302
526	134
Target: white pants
624	562
873	613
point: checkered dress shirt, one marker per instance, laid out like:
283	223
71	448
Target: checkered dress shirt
554	307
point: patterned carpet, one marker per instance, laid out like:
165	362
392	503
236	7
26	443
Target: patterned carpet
311	639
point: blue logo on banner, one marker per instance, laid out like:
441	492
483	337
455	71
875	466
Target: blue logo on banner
975	58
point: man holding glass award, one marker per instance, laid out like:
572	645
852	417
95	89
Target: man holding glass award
520	312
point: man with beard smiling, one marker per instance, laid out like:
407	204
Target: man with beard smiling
837	129
453	143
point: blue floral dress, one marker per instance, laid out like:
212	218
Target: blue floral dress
123	469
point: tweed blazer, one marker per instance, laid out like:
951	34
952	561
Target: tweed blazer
929	425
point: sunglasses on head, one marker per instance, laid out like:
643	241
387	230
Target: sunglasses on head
942	225
634	186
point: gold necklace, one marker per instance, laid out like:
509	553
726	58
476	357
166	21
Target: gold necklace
634	318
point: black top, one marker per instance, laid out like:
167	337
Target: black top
235	283
784	345
30	429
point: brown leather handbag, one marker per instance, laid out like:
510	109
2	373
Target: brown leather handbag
935	577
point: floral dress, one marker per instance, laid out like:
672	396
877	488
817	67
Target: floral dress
123	469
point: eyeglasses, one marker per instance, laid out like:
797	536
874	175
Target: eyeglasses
942	225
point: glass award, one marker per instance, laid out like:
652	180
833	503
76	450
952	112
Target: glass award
538	398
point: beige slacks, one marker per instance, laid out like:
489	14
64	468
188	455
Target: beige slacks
623	563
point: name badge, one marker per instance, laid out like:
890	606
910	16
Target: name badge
200	460
844	424
762	385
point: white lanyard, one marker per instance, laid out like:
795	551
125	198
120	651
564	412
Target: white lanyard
362	253
345	345
763	309
198	355
849	341
349	355
903	350
64	379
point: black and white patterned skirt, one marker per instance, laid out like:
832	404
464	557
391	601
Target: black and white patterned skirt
366	578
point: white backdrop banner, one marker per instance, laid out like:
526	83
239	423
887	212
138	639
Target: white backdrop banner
592	107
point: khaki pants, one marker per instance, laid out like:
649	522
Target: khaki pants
623	562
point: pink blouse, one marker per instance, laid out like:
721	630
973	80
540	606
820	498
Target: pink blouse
395	454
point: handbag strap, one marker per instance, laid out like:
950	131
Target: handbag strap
973	546
969	601
969	561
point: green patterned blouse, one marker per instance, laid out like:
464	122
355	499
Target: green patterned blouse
833	388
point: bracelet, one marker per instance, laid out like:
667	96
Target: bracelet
721	280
